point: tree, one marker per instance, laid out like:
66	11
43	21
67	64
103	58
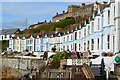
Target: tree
54	49
5	44
45	56
55	64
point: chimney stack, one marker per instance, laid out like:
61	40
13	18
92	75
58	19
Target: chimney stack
57	13
83	4
45	21
63	12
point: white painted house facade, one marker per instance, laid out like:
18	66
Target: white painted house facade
97	34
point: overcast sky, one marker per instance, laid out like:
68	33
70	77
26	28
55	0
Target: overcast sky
15	13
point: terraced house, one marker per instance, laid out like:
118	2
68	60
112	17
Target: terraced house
99	33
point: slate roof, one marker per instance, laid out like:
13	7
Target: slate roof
9	31
102	7
58	15
54	33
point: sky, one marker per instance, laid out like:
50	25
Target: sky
15	14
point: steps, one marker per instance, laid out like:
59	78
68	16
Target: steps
87	72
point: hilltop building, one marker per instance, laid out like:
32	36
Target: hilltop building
80	11
39	24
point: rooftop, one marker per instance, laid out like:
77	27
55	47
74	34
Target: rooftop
9	31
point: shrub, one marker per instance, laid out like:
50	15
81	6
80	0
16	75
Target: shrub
55	64
45	56
104	54
54	49
109	54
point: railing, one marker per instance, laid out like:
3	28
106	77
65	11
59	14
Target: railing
78	61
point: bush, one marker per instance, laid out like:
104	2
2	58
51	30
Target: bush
5	44
109	54
45	56
54	49
104	54
117	59
55	64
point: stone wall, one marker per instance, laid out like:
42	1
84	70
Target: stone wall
23	64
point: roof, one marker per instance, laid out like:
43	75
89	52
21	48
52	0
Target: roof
9	31
102	7
58	15
38	24
75	6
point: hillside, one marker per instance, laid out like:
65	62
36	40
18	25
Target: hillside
64	24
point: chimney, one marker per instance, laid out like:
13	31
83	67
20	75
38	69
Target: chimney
57	13
63	12
83	4
45	21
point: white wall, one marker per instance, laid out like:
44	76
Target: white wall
6	37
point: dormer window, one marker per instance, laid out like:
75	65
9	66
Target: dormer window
52	35
59	35
68	32
31	36
23	37
72	30
17	37
46	35
37	36
76	28
79	26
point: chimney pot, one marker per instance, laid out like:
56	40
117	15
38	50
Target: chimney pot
57	13
63	12
83	4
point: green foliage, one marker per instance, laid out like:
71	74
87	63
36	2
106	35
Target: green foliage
57	57
69	18
54	49
64	24
45	56
67	55
4	44
117	59
55	64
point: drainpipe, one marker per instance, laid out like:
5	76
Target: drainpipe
107	74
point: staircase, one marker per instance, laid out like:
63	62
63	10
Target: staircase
87	72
